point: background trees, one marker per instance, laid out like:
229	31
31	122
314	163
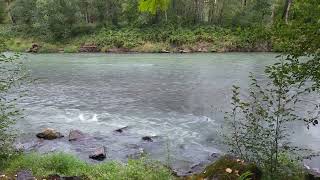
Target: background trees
61	19
191	12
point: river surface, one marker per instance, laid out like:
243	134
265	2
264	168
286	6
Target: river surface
178	99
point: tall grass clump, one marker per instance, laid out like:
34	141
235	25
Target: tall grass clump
68	165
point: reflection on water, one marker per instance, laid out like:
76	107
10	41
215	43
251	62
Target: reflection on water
178	99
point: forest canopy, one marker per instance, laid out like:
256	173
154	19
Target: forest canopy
65	18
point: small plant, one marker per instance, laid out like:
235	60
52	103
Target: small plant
245	176
11	75
259	124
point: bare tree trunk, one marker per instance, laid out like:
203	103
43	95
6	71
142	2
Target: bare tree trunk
166	15
244	3
9	11
273	14
286	10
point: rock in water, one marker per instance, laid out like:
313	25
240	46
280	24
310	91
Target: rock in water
25	175
99	154
75	135
147	138
120	130
49	134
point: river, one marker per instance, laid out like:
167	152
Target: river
178	99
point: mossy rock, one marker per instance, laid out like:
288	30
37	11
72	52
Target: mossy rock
228	168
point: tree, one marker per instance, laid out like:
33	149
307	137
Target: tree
154	6
56	19
260	124
2	11
286	10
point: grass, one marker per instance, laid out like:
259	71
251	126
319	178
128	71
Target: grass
68	165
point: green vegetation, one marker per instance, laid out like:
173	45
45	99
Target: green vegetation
67	165
157	39
12	74
230	168
150	25
259	124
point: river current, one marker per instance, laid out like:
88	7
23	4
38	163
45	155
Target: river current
178	99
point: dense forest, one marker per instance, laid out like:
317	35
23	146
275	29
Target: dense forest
154	25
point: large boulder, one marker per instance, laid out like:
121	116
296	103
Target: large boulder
76	135
49	134
99	154
228	167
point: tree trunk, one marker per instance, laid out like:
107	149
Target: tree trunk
244	3
166	15
9	11
285	15
273	14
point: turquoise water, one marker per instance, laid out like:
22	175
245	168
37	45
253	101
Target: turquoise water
177	98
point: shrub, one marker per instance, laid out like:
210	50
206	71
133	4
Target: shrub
11	75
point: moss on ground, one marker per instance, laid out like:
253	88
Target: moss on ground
228	168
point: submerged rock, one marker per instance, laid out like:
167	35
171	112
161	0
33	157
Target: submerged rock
137	155
25	175
76	135
99	154
49	134
120	130
147	138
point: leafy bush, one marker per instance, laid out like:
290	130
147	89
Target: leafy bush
11	75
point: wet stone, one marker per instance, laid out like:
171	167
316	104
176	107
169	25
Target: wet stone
147	138
76	135
99	154
121	130
25	175
49	134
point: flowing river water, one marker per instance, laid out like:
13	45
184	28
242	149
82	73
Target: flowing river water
178	99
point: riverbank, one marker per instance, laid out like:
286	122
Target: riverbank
66	166
151	40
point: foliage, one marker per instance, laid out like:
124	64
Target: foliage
60	20
11	75
68	165
260	124
153	6
301	39
2	11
